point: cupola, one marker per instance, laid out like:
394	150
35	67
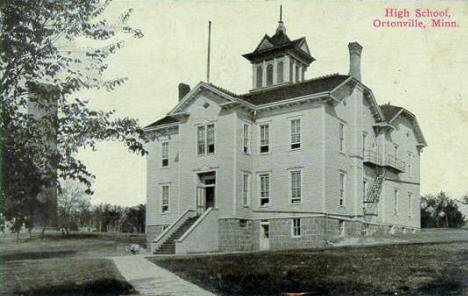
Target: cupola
278	60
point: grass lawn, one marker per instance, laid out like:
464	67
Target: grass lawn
73	265
63	276
438	269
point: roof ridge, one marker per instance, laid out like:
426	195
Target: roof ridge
224	90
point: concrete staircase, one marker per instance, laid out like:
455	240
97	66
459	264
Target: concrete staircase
168	247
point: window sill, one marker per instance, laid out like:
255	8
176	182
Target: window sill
295	149
264	153
165	213
165	167
295	236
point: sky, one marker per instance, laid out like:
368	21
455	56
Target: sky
423	70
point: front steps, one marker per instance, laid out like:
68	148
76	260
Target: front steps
168	247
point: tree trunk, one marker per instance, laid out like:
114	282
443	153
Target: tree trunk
42	232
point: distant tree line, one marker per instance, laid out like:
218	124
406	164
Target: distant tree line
440	210
75	212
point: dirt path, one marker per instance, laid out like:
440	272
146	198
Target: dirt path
150	279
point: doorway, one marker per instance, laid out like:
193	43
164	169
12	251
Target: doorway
264	236
206	191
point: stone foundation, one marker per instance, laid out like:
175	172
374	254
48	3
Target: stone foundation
236	234
244	235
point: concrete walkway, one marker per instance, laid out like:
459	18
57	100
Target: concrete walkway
150	279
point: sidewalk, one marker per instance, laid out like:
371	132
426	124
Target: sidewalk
149	279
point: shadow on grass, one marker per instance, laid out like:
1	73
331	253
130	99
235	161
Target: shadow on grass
90	288
35	255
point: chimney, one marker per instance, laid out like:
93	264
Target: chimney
355	50
183	90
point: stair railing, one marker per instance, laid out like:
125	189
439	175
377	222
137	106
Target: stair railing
172	228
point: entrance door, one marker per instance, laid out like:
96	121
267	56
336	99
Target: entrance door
264	236
206	190
209	197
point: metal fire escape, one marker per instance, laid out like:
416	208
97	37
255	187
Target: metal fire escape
373	195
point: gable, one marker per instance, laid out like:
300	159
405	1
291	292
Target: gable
264	44
216	95
303	46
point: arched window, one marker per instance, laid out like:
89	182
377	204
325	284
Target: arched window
259	76
269	74
279	72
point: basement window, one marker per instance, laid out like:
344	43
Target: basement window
296	227
242	223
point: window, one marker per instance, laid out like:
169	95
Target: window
201	140
395	202
341	137
245	141
364	190
296	227
410	164
259	76
264	190
210	138
269	74
342	189
206	139
164	199
297	72
410	204
242	223
296	190
245	190
295	134
165	154
279	72
364	143
264	138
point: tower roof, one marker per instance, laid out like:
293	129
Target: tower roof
280	43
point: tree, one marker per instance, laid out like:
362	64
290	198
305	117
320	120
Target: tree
135	219
70	203
440	211
45	120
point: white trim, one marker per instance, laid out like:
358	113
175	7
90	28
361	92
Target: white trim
249	189
161	155
249	137
159	127
260	137
341	145
260	189
301	188
396	203
341	199
291	143
161	200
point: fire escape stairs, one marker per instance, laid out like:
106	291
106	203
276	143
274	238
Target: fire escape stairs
373	196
